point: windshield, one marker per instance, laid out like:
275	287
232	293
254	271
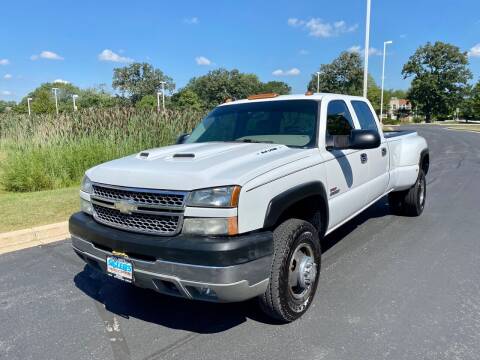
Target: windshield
288	122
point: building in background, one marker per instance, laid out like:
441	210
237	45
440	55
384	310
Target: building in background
399	109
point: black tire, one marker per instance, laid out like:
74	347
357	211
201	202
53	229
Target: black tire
412	201
281	301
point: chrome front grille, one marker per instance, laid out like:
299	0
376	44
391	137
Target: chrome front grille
144	223
144	197
139	210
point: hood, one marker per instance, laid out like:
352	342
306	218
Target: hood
195	166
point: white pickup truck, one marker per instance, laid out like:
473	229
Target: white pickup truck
237	208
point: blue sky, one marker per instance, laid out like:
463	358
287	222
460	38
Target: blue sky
82	41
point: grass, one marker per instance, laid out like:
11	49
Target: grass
464	127
24	210
45	152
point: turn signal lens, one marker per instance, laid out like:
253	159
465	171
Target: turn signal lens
232	225
262	96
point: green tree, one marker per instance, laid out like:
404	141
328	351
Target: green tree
147	102
187	99
6	106
97	97
277	87
140	79
440	77
43	100
344	75
221	84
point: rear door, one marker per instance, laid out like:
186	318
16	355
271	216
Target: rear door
346	174
378	158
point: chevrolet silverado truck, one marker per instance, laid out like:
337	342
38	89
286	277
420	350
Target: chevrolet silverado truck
237	209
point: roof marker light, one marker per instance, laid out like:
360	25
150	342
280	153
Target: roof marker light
262	96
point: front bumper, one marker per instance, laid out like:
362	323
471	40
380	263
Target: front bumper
219	269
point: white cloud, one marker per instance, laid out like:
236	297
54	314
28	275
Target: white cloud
50	55
7	76
292	72
202	60
4	62
359	50
475	51
60	81
6	93
318	28
109	55
191	20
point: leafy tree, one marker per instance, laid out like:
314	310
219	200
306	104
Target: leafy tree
221	84
440	78
187	99
147	102
475	96
140	79
43	100
278	87
343	76
95	98
6	105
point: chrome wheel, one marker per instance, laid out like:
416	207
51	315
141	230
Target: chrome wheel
302	271
422	190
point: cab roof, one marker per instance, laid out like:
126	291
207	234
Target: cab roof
315	96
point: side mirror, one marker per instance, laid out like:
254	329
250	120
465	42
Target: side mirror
358	140
182	138
364	139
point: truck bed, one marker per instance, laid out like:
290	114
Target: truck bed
393	134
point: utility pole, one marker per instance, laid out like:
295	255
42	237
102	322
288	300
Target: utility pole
383	76
74	104
318	81
367	49
56	98
29	108
163	94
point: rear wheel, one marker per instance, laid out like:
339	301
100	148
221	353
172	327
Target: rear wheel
295	271
412	201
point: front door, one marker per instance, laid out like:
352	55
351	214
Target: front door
378	158
347	173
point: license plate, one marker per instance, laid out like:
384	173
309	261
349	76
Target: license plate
120	268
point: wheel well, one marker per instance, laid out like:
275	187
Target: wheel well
425	161
311	209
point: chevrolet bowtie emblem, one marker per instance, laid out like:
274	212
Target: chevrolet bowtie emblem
125	206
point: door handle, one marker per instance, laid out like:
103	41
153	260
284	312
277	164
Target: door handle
384	151
363	158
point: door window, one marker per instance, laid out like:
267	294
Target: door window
364	115
339	120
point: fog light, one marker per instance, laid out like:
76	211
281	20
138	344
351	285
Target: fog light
206	291
86	206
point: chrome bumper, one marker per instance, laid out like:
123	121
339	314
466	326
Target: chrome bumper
210	283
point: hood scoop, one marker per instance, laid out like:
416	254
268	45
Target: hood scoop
184	156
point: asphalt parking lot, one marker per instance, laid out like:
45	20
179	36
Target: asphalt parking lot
391	288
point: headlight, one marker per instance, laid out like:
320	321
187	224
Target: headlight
224	197
210	226
86	185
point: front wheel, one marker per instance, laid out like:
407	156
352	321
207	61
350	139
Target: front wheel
412	201
295	271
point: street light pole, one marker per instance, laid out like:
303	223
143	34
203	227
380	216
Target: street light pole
28	104
318	81
74	104
158	101
367	49
56	99
163	94
383	76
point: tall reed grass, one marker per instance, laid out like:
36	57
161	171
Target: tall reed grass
47	151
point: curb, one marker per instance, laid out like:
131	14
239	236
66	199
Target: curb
39	235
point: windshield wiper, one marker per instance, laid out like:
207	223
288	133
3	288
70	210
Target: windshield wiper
253	141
